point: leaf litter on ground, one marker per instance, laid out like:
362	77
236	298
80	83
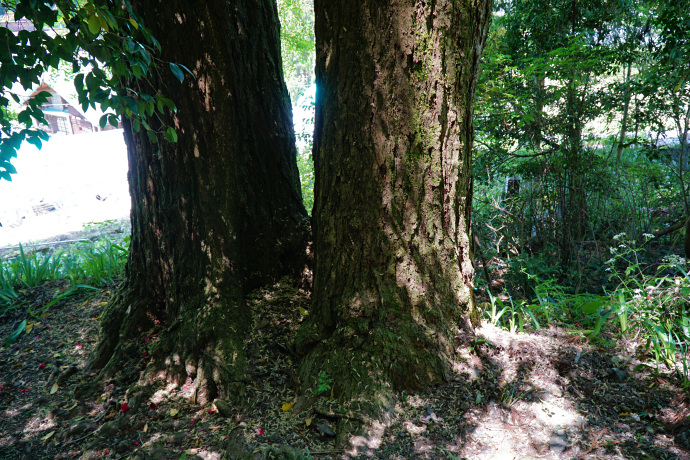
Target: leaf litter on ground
539	395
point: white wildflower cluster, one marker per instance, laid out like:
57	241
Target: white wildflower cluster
647	236
611	260
674	259
613	250
619	236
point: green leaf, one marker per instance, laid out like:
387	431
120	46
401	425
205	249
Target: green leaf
177	71
15	334
94	25
592	307
42	97
10	169
137	70
120	68
24	117
152	137
103	121
170	134
107	22
35	141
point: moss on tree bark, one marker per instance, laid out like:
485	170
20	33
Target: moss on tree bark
393	264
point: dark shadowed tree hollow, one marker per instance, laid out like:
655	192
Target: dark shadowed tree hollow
218	213
392	148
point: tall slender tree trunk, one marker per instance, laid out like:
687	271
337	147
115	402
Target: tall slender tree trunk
626	110
573	194
537	126
393	265
219	212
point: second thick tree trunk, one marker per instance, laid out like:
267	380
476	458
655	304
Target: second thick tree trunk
392	149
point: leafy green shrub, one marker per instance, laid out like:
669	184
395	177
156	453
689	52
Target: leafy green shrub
98	263
34	269
512	315
652	307
306	175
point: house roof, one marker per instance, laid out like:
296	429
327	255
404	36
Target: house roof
66	91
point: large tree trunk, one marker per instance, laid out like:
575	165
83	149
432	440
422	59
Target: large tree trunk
392	149
219	212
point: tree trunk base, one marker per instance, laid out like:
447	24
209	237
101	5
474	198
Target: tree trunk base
205	347
367	368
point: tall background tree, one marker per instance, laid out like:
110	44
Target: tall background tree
219	212
554	58
392	146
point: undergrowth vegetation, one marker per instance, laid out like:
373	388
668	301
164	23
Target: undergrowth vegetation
85	265
582	176
647	305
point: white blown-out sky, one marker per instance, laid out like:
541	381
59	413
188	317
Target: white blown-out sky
68	172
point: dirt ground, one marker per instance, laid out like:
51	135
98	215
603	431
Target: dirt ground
545	395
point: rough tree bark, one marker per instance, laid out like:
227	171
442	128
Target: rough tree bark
392	148
218	213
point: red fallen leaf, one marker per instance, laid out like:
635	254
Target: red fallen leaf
146	339
193	421
152	405
136	443
260	431
211	411
79	344
42	365
24	390
124	407
144	354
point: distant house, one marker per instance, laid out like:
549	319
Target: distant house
64	115
7	21
16	26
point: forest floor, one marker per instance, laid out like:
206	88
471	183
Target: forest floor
542	395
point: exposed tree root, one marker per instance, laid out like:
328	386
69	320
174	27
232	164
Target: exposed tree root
367	370
205	346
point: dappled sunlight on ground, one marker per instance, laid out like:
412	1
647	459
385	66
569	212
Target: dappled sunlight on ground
547	394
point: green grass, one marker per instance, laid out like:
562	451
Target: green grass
86	265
